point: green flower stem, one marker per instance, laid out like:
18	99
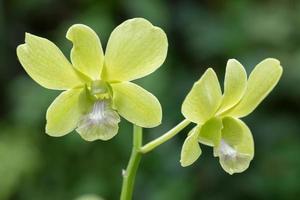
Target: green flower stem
135	158
136	155
165	137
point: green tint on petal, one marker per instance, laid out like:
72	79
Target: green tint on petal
136	104
204	99
210	133
261	81
101	123
135	49
232	131
65	112
46	64
86	54
191	150
235	85
236	158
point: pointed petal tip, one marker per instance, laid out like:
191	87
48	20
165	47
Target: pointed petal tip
19	49
184	164
275	61
207	71
28	36
56	134
272	60
210	70
233	61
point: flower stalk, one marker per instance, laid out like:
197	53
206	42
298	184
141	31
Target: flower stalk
134	161
165	137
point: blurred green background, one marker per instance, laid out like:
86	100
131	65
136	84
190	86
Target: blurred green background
202	34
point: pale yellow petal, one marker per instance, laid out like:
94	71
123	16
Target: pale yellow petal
136	104
204	99
135	49
65	112
191	150
235	85
46	64
87	54
261	81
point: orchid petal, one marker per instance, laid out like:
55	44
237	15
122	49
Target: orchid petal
46	64
235	85
136	104
135	49
87	54
261	81
204	98
191	150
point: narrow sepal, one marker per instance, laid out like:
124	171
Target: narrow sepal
87	54
191	150
46	64
203	100
235	85
261	81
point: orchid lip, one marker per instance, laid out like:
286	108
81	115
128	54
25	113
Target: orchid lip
101	121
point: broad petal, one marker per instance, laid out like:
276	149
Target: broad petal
210	133
204	99
236	158
261	81
136	104
87	54
46	64
65	112
135	49
235	85
191	150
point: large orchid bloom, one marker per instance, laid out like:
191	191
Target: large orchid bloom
97	86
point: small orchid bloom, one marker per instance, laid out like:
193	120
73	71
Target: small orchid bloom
217	116
97	85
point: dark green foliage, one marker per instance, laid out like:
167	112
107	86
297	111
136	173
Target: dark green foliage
34	166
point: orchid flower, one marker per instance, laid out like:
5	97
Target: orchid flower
217	116
97	86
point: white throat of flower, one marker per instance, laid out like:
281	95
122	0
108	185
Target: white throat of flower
100	123
231	160
227	151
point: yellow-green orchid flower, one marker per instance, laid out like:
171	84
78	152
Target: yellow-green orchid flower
97	85
217	116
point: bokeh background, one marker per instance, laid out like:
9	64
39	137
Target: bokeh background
202	34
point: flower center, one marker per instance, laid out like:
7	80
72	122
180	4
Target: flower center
100	89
